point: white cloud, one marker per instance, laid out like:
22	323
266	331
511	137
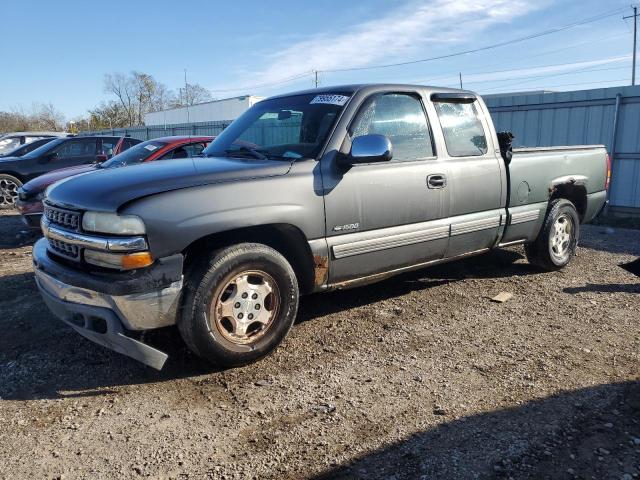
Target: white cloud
394	37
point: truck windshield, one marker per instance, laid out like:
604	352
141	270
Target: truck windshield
289	127
136	154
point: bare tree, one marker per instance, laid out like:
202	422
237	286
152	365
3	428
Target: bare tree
47	117
43	116
124	90
136	94
191	94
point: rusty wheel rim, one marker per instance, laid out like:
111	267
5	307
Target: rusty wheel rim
245	308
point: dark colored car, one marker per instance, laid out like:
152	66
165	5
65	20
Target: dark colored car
30	195
26	148
56	154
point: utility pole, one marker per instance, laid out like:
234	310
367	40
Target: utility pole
460	74
635	32
316	76
186	94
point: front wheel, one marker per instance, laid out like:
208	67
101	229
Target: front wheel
240	305
9	186
558	238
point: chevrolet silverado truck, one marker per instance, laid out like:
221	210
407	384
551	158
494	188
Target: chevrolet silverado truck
307	192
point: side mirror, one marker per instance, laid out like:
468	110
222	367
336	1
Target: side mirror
370	148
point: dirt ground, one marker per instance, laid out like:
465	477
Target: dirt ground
418	377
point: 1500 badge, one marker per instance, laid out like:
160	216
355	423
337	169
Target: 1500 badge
348	226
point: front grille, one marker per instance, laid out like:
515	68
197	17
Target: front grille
62	217
64	249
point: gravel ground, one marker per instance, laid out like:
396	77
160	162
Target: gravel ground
421	376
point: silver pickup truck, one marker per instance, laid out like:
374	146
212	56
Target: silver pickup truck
307	192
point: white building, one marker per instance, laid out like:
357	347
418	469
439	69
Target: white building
216	110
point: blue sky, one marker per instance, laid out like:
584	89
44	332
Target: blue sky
59	51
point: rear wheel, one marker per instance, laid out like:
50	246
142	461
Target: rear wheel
8	191
240	305
558	238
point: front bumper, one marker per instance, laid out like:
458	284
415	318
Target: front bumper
104	317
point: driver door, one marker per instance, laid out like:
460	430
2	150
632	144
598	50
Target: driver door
384	216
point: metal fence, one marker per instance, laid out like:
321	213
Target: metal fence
155	131
609	116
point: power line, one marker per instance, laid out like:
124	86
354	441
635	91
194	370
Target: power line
464	52
481	49
269	84
485	72
566	84
528	79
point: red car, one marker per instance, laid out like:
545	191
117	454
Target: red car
30	195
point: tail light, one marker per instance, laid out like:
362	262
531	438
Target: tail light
607	181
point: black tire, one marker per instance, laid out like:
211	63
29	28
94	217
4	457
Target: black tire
207	335
550	254
8	191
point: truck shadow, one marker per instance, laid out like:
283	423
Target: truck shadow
40	357
586	433
13	234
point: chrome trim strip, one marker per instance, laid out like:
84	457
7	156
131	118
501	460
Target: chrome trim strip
514	242
354	282
391	241
475	225
109	244
522	217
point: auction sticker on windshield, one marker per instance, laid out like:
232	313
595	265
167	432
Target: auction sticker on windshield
151	148
330	99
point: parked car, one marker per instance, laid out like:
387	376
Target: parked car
343	186
59	153
11	141
27	148
30	195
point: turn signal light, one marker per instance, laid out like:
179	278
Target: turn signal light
136	260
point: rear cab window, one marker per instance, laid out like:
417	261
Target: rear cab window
462	128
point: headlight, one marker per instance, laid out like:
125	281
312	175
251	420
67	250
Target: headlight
105	222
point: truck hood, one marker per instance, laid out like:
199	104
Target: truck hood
107	190
38	184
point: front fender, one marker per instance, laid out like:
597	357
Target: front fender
176	219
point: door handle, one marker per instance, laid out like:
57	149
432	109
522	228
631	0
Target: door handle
436	181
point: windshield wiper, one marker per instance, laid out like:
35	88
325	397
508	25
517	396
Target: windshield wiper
251	151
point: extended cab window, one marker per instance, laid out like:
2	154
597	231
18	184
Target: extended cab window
402	119
462	129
